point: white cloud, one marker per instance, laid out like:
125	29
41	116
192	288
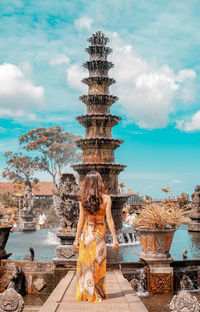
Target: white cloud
147	92
59	59
192	125
74	76
176	181
148	188
84	22
18	95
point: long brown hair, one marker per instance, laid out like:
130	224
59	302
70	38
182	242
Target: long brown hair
92	191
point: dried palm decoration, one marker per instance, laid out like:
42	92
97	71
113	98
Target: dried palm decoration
160	217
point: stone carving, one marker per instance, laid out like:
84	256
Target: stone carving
66	201
135	284
159	283
18	281
4	234
39	283
195	211
10	300
98	146
196	198
28	202
67	253
184	302
186	283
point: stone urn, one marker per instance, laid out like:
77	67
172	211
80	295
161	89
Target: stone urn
155	244
4	234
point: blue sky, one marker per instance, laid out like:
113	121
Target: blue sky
156	48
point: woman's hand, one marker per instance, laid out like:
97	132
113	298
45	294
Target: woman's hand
115	245
75	245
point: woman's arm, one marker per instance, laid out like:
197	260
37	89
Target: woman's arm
110	221
80	224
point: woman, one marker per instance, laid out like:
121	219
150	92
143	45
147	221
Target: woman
94	204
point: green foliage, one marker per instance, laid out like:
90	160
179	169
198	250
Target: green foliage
55	148
20	168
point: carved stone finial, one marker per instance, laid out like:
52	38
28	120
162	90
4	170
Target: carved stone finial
10	300
194	225
184	302
66	201
28	202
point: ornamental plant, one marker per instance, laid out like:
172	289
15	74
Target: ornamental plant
161	217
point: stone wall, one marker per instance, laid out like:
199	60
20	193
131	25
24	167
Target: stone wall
41	277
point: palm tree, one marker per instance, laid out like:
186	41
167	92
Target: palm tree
166	190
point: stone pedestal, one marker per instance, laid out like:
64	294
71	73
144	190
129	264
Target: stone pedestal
159	276
27	224
160	280
156	245
66	256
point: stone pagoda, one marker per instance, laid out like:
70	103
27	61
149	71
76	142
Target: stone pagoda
98	146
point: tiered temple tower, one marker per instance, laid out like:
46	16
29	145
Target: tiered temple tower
98	146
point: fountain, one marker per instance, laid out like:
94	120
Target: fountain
98	146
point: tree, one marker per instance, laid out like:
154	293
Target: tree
20	168
55	148
166	190
121	186
183	200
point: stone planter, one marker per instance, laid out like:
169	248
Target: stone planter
155	244
155	252
4	234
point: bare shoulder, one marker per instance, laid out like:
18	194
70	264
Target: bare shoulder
106	198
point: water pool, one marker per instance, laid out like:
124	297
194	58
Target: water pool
44	243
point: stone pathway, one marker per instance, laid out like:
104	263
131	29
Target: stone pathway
120	293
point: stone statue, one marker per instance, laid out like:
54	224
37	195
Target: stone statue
196	199
28	201
18	281
65	199
194	225
10	300
184	302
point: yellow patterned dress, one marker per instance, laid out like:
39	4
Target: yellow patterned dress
91	264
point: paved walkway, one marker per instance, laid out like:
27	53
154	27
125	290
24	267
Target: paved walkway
121	296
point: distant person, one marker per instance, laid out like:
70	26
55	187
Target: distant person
12	220
130	218
124	215
13	223
42	219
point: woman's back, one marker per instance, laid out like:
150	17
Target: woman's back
100	213
91	239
